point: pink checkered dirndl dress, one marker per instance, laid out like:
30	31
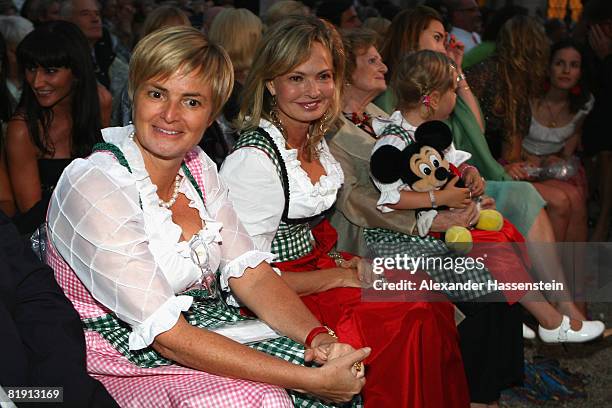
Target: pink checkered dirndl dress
162	386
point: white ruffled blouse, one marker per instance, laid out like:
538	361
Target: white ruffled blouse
257	193
390	192
107	224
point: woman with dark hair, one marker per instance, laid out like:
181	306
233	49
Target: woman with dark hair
58	117
554	135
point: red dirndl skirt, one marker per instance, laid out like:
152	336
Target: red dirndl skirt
415	359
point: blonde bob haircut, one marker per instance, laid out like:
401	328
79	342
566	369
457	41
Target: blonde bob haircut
238	31
284	46
419	74
184	50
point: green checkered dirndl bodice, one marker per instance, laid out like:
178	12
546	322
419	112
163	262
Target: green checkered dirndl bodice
387	243
205	313
293	238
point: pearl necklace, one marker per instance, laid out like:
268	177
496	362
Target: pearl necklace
175	192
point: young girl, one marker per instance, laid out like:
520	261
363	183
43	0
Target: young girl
58	118
425	84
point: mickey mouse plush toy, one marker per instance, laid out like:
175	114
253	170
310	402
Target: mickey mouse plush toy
422	167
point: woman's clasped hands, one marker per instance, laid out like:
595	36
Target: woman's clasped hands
338	379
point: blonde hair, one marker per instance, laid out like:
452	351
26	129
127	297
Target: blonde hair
161	17
286	45
282	9
522	63
419	74
164	52
239	32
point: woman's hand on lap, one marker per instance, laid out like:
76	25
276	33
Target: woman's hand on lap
363	275
337	382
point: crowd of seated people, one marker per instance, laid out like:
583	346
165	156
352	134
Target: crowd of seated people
205	187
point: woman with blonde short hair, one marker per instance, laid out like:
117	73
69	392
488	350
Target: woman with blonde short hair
137	231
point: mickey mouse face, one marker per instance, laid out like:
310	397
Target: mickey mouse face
430	169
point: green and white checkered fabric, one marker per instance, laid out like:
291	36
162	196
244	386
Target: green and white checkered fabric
205	313
396	130
292	241
386	243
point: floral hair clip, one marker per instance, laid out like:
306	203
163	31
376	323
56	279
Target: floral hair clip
426	100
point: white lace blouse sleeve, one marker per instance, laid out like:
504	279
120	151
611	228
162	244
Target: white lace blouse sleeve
389	192
255	191
96	224
238	251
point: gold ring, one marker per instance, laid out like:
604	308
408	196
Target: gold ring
358	366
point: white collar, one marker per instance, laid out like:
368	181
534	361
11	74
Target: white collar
453	155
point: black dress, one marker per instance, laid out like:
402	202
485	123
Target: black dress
49	172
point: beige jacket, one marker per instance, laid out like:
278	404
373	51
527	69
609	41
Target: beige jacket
356	205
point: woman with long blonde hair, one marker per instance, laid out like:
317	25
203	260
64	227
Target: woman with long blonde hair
282	179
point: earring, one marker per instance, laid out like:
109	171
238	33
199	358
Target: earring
323	123
275	118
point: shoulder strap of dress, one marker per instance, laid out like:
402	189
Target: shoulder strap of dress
115	151
112	148
260	139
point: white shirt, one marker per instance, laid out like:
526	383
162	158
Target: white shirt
469	40
132	259
542	140
257	193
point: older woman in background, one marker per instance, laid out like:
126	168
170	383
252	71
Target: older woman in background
353	141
